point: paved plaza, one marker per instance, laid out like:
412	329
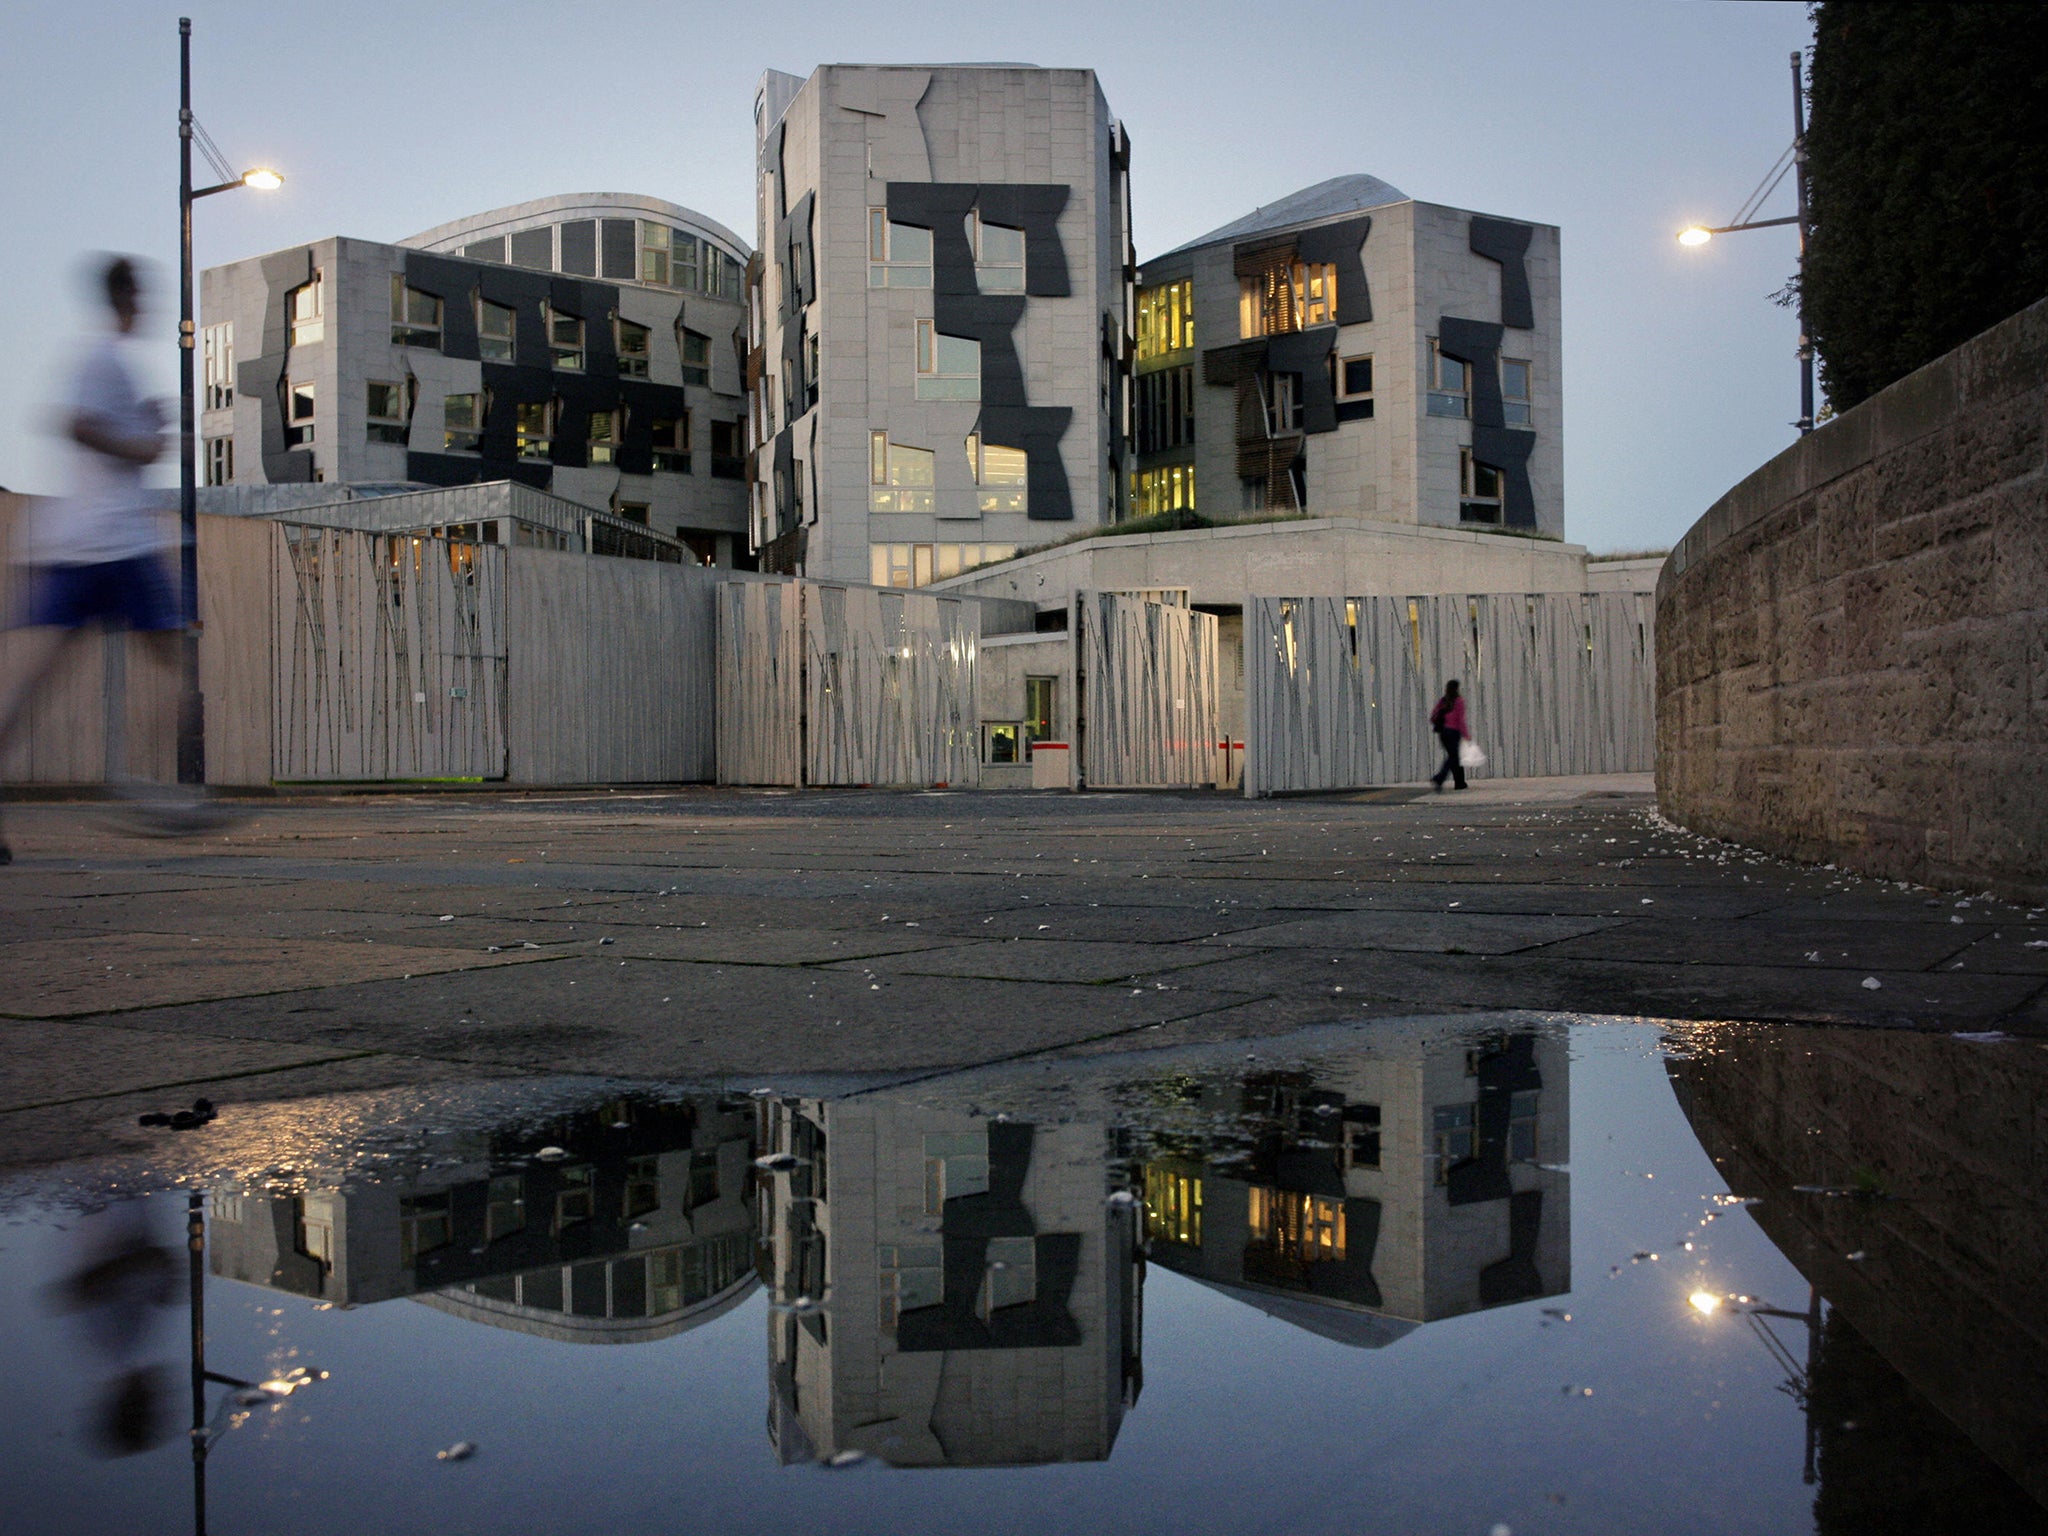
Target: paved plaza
329	943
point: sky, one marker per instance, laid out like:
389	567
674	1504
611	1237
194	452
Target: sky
1618	122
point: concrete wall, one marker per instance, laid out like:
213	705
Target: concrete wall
1852	652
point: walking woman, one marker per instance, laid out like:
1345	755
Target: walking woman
1448	720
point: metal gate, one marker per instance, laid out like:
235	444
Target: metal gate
1149	697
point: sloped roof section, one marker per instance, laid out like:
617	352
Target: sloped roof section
1326	199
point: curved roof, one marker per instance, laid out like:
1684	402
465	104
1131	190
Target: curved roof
449	238
1324	200
569	1328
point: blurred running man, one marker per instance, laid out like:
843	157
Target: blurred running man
100	552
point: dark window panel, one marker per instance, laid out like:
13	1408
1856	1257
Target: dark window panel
534	248
579	247
492	249
619	248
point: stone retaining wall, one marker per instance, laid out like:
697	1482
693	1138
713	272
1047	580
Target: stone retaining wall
1852	644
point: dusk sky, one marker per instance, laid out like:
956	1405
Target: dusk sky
1618	122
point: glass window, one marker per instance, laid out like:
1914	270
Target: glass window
217	344
1001	741
462	423
1038	697
535	429
1479	490
671	438
899	255
495	326
1361	1123
643	1186
306	308
1288	298
1168	489
948	367
635	349
1453	1125
1001	473
576	1200
1303	1228
1164	409
506	1211
1450	384
534	248
901	478
998	255
683	259
1166	319
606	428
415	315
1173	1206
1011	1276
728	451
632	511
696	351
912	1275
425	1222
299	423
654	253
1522	1117
1354	378
565	341
220	460
387	409
1514	391
492	249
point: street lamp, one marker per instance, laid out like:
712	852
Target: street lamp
1793	160
191	706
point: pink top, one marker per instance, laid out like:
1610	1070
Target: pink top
1449	715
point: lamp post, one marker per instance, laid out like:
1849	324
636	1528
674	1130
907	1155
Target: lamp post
191	704
1700	234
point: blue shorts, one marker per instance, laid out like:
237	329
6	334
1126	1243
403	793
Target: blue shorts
136	592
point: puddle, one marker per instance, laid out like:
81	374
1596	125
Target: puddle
1533	1275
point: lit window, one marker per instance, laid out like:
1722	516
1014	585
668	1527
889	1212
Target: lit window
217	343
1514	391
696	351
1038	696
415	316
565	341
535	428
1354	382
1301	1228
901	478
635	349
506	1211
220	460
1169	489
1166	319
425	1222
728	450
948	367
1479	490
654	253
671	438
495	331
1287	298
307	307
1450	383
1001	741
1173	1206
915	565
998	256
605	431
899	255
1455	1143
462	423
386	410
1164	409
1001	474
299	424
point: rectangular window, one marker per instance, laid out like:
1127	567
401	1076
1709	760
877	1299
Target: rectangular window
1455	1142
217	348
1450	384
1299	1228
643	1186
635	349
534	248
1354	383
415	316
1479	490
565	341
579	247
1282	394
912	1276
425	1222
1290	298
696	352
1166	319
728	450
1522	1117
812	363
1514	391
220	460
948	367
1173	1206
1002	475
1169	489
1038	697
1165	409
1361	1131
576	1200
606	428
306	308
654	253
899	255
913	565
1011	1276
462	423
495	332
900	478
632	511
299	417
998	255
506	1211
535	428
682	265
386	408
671	437
1001	742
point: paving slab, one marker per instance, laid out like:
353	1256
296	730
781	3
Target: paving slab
1044	958
1449	932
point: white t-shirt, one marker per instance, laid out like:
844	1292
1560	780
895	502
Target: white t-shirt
108	515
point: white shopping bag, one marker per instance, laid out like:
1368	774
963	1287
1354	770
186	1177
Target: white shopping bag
1469	755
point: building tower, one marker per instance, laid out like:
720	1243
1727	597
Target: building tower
939	317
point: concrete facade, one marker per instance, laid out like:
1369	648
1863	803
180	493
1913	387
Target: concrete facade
1852	652
945	256
1305	337
565	344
